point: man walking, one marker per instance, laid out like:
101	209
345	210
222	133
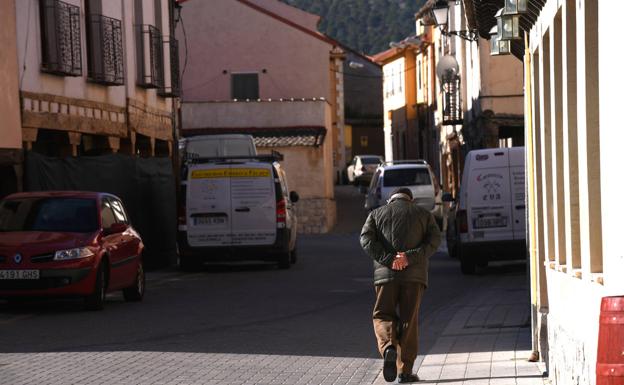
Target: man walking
400	237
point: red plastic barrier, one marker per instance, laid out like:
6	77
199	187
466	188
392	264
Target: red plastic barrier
610	362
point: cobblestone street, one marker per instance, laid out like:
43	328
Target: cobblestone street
254	324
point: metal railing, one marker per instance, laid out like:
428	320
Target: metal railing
452	111
150	71
171	86
105	48
60	38
404	161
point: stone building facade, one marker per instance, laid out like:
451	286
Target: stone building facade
95	77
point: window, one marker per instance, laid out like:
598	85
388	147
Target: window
407	177
76	215
149	48
119	212
245	86
150	71
108	216
60	38
104	46
419	70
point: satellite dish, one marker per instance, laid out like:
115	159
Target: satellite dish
447	68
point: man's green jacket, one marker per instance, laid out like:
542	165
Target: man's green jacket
400	225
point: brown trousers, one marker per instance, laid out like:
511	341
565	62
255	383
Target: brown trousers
399	330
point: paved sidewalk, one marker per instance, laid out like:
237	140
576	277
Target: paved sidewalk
486	342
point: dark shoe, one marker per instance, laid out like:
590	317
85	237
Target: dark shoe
407	378
389	365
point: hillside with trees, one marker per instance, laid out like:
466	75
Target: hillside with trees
364	25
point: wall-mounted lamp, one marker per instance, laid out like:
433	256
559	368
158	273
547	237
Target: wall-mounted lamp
510	18
440	15
498	46
177	12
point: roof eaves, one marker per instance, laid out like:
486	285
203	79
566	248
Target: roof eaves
315	34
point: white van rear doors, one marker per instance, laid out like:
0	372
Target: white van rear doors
489	201
208	205
231	204
252	189
516	171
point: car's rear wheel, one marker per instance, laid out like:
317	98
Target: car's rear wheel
293	256
95	300
136	292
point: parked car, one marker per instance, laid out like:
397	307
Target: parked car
69	243
487	221
416	175
361	169
236	208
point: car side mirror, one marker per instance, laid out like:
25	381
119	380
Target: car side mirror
447	197
116	228
294	197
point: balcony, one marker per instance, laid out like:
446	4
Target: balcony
105	48
149	45
60	38
171	84
452	111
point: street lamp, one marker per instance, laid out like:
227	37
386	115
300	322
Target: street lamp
498	46
440	12
510	17
515	6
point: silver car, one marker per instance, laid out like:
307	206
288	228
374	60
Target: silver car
416	175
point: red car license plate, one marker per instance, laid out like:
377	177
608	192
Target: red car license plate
19	274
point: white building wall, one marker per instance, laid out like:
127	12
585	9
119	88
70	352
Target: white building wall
394	98
577	283
612	185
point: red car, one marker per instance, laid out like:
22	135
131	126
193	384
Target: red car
66	243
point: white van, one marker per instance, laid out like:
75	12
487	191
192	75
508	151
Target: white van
204	146
236	208
490	217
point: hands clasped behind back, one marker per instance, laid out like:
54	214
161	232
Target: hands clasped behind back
400	261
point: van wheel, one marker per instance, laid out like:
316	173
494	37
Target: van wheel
466	262
283	261
189	264
293	256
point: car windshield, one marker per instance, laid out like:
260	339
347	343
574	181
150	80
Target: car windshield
372	160
406	177
73	215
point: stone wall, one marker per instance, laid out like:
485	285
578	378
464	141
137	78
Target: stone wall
315	215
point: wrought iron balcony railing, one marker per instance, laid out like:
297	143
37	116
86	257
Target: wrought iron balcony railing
171	85
452	112
150	71
105	48
60	38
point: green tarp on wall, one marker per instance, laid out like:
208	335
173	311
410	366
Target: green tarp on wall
145	185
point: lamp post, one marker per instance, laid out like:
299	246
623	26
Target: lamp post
440	13
510	17
499	45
